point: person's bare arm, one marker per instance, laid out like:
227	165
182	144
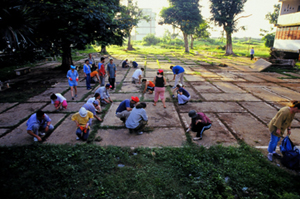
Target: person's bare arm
165	82
34	135
98	118
140	77
128	108
146	85
174	76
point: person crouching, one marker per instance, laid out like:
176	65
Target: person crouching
83	120
137	119
200	123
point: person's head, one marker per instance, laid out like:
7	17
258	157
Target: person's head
108	86
144	81
126	60
295	106
193	114
40	114
179	85
171	67
160	72
87	61
95	103
134	100
82	112
111	60
142	69
73	67
97	95
53	97
252	47
102	59
90	55
141	105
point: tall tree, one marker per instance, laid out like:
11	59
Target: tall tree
200	32
184	15
224	14
132	15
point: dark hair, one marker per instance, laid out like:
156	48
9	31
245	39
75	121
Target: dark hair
142	69
86	60
96	95
178	86
102	58
39	113
53	97
171	67
162	73
144	80
141	105
295	103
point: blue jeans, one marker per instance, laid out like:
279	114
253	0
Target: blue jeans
88	81
82	135
102	80
36	128
183	99
273	143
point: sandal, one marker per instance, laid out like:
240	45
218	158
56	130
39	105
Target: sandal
154	104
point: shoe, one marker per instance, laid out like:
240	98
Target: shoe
270	157
35	139
197	138
75	95
42	134
77	138
139	133
72	98
276	155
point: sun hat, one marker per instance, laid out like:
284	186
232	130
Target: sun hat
180	84
73	67
95	102
82	112
192	114
111	58
136	99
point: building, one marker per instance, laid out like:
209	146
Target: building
287	37
144	28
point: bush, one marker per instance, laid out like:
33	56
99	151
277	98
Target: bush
150	39
269	39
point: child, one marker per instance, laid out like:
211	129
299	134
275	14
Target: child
59	101
87	74
73	77
83	120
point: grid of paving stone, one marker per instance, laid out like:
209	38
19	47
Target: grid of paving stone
239	101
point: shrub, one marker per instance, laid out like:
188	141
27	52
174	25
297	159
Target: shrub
150	39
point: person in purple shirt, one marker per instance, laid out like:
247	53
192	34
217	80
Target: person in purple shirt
178	72
92	108
200	123
87	74
38	125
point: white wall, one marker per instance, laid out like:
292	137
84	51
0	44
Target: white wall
290	6
289	45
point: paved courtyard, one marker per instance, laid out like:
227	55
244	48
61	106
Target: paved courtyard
239	101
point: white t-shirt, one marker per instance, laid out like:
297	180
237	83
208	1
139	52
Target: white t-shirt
137	73
60	98
91	100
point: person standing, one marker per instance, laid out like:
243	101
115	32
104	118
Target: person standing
252	53
87	74
124	109
137	119
200	123
104	94
178	72
112	73
83	120
58	101
160	82
92	108
137	75
92	62
182	95
279	123
149	86
101	71
73	78
38	125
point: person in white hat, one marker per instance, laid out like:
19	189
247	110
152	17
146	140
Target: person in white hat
83	120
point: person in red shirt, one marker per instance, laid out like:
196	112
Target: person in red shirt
200	123
101	71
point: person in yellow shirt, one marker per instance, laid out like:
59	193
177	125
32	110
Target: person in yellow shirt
280	122
83	120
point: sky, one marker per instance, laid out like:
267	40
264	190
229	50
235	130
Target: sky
257	8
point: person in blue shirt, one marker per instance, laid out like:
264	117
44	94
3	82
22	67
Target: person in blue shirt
252	53
87	74
112	73
178	72
137	119
73	78
183	95
104	94
38	125
124	109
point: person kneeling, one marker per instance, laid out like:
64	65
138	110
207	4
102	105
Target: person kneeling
182	95
137	119
83	120
200	123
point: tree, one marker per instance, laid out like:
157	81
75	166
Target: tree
200	32
224	14
132	15
150	39
273	17
269	39
66	24
184	15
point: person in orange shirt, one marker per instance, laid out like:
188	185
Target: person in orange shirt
95	74
149	86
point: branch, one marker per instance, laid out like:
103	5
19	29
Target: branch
242	17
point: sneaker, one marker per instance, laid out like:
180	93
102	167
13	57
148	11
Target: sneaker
139	133
270	157
77	138
35	139
42	134
197	138
75	95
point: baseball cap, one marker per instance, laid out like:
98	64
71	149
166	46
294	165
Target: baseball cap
82	112
73	66
180	84
160	70
192	114
136	99
95	102
108	85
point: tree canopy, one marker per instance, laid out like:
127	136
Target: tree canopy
273	17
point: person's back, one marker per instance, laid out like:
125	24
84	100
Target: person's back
125	103
136	115
159	81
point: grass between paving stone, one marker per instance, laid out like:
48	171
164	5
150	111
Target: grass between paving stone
55	126
90	171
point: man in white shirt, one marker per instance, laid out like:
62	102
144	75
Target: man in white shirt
137	75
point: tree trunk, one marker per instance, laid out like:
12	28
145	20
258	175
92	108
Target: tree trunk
192	42
186	42
129	46
229	50
66	57
103	50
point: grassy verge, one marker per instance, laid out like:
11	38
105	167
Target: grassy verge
89	171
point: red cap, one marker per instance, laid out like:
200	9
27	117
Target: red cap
160	71
136	99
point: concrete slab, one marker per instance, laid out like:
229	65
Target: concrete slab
130	88
4	106
285	92
189	62
260	65
265	94
158	137
19	135
266	76
250	77
295	136
45	96
3	131
217	107
207	74
229	97
110	118
228	87
217	134
205	87
14	115
247	128
81	92
123	96
191	78
292	86
226	76
162	117
72	107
